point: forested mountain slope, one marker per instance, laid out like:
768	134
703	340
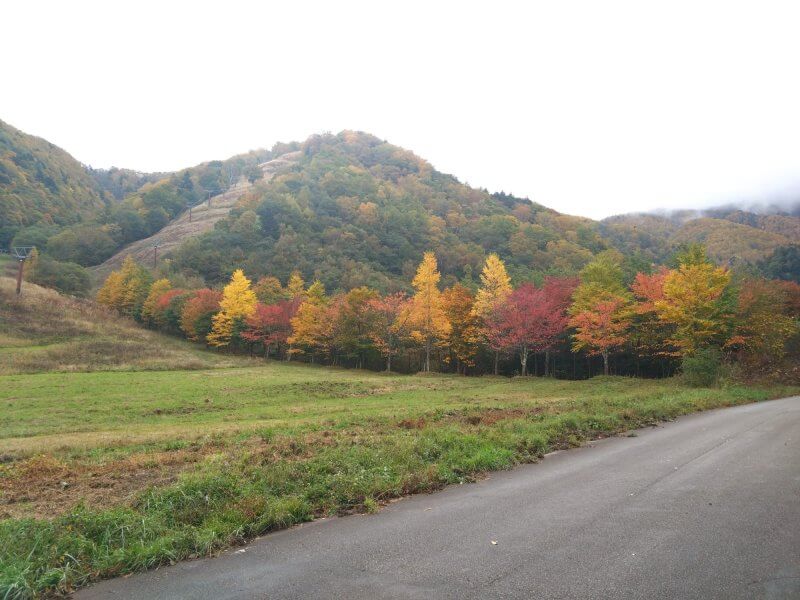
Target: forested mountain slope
40	182
355	210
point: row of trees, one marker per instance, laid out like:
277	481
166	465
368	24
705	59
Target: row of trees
663	315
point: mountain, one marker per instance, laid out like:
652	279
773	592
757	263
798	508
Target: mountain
355	210
348	209
351	209
40	182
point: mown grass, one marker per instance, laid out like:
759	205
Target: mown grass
108	473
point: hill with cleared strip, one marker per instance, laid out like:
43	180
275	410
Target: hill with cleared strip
202	219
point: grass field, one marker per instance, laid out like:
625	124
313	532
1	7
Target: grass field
132	457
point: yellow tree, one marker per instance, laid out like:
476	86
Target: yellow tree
126	290
238	302
110	292
29	267
136	282
465	333
149	305
601	280
427	318
495	289
694	301
310	328
295	287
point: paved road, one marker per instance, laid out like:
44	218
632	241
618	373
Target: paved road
705	507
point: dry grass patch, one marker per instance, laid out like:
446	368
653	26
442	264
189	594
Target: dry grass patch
44	486
45	331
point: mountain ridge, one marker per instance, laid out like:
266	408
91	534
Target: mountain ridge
352	209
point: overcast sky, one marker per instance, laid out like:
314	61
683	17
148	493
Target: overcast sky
591	108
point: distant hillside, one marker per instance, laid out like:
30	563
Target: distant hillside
732	236
40	182
119	183
355	210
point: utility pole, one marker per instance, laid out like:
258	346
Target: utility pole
21	253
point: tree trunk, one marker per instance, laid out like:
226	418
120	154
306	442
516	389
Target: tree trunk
547	363
496	359
389	363
523	359
605	363
428	355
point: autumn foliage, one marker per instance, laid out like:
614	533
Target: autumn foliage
661	317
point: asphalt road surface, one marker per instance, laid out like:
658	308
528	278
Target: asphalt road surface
704	507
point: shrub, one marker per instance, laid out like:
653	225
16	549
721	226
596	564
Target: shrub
703	368
66	277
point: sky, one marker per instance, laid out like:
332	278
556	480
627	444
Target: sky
591	108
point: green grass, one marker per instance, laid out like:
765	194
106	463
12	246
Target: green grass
158	466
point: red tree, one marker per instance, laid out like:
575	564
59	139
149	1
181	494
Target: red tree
271	324
531	319
167	310
649	289
558	293
649	336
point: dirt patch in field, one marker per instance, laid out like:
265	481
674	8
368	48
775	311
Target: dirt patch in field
490	416
412	423
44	486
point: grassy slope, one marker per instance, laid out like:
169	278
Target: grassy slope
44	331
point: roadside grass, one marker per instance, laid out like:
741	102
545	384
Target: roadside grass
108	473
